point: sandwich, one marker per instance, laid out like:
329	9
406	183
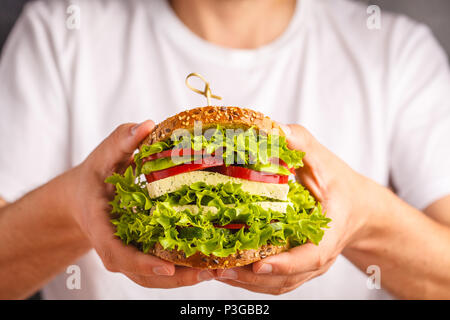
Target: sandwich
213	188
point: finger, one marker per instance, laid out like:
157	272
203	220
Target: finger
297	136
267	280
115	255
259	289
117	149
118	257
2	202
312	180
305	258
312	173
183	276
283	287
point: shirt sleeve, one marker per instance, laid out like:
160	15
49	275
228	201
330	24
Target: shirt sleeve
33	118
420	145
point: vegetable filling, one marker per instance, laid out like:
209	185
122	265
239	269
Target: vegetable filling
238	184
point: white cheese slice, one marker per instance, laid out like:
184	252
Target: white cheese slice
275	206
174	183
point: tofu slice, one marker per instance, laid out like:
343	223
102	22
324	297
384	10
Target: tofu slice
174	183
275	206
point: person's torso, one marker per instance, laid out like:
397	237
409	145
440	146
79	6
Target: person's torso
128	62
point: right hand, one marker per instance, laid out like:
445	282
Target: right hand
90	209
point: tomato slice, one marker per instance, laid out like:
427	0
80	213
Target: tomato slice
215	165
183	168
248	174
233	226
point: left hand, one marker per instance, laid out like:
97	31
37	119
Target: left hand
341	192
88	205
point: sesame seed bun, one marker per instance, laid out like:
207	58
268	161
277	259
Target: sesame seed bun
210	116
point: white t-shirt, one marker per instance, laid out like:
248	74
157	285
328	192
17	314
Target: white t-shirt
379	99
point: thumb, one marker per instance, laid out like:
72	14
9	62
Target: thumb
297	136
311	174
116	151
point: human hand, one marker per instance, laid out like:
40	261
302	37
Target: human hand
2	202
340	191
90	209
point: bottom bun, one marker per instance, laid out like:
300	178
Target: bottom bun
202	261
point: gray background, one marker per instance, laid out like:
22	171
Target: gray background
435	13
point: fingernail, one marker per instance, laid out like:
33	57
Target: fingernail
134	129
205	275
286	129
161	271
228	274
265	268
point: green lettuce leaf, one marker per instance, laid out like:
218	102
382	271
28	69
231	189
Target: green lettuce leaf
143	222
242	147
130	192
